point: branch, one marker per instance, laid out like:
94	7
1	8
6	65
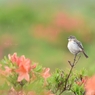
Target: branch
72	65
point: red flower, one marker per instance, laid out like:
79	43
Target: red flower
25	62
90	86
13	58
46	73
23	69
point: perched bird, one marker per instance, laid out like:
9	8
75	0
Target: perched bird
75	46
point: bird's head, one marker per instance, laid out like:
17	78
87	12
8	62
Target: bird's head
71	38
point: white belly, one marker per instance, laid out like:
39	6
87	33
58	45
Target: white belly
73	47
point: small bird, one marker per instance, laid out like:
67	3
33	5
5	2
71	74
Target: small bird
75	46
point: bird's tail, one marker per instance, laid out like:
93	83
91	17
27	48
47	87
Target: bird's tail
85	54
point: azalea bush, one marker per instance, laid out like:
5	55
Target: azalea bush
21	76
73	82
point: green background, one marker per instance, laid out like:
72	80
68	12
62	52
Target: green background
39	30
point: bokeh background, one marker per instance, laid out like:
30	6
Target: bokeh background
39	29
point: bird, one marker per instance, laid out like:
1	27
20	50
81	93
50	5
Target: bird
75	46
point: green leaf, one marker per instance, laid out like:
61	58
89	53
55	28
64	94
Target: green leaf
38	68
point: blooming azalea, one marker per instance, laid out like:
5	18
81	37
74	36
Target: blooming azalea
23	66
46	73
18	69
13	58
23	69
90	86
25	62
23	74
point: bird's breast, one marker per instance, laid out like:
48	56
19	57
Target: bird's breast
73	47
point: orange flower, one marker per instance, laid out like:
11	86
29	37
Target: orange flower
23	69
13	58
7	70
90	86
23	74
25	62
46	73
23	66
82	81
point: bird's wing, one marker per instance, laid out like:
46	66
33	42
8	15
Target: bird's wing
79	44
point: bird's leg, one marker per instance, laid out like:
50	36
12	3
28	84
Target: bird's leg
75	61
75	57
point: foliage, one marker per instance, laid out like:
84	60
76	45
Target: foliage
61	81
20	76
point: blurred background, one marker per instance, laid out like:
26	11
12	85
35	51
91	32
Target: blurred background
39	29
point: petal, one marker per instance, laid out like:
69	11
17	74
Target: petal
27	77
20	78
23	76
46	73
